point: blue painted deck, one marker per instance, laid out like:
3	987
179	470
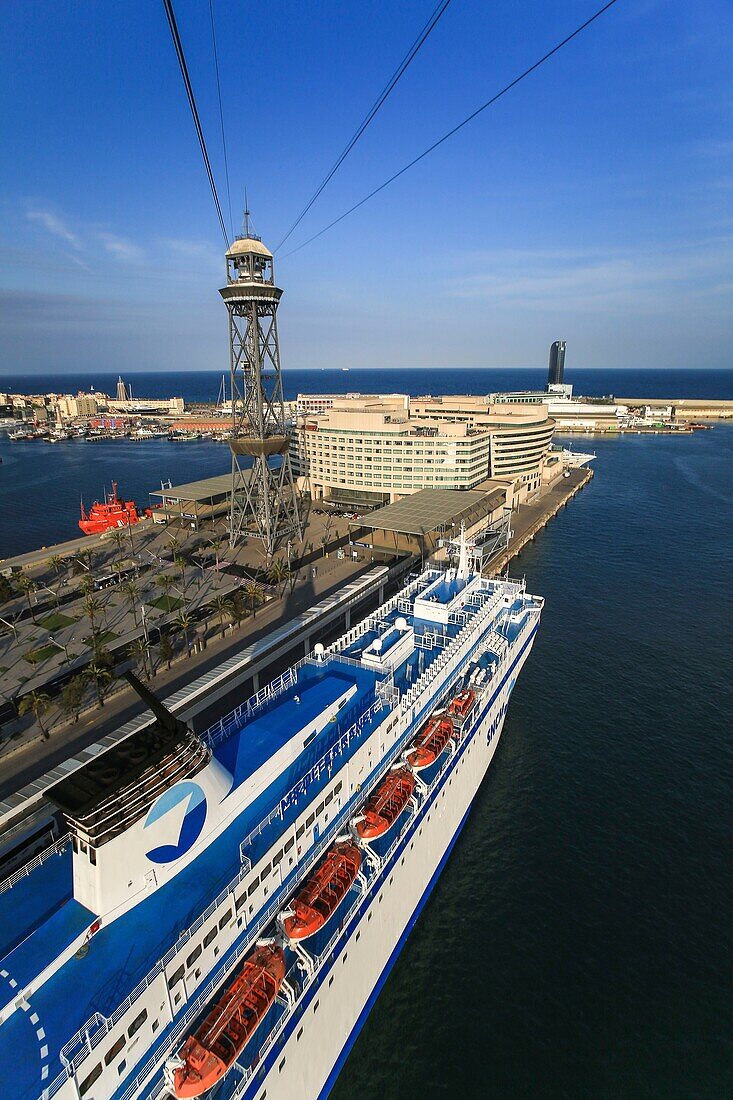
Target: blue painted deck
33	899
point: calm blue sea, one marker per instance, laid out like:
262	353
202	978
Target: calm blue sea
578	943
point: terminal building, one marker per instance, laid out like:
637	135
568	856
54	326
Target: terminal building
367	450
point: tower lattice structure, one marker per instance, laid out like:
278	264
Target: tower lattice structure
264	500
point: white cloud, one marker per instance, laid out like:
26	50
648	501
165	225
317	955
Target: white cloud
121	249
55	225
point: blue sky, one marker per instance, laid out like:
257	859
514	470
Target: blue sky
593	203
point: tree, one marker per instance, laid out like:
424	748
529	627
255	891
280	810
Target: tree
118	539
72	696
253	592
239	611
166	583
165	649
181	562
138	652
36	703
93	607
28	585
278	573
57	563
132	592
222	605
215	545
184	621
100	670
6	590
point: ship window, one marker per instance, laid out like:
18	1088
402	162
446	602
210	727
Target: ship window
211	936
316	1006
380	898
239	902
265	872
280	1067
300	1032
137	1023
74	844
252	887
319	811
154	1026
193	956
300	832
358	936
277	857
225	919
289	844
175	977
309	822
121	1068
93	855
177	999
197	973
114	1050
330	980
346	955
369	917
85	1086
329	798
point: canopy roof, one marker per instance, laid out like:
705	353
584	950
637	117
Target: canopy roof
244	245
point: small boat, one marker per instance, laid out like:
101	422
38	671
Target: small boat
430	742
323	891
461	705
386	804
207	1054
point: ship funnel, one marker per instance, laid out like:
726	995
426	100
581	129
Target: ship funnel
462	572
166	719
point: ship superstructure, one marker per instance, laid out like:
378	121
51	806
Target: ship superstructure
226	907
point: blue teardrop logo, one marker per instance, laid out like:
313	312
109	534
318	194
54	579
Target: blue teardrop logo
191	825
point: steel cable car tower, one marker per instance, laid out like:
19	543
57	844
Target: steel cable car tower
264	501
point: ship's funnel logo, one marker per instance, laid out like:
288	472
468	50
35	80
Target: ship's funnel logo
190	800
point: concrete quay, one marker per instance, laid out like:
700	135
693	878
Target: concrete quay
532	517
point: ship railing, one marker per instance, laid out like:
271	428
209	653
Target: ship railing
225	726
29	867
314	773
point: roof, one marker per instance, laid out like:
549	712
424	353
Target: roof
429	509
197	490
243	245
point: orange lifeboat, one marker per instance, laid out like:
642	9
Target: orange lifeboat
323	891
207	1054
428	745
386	804
461	705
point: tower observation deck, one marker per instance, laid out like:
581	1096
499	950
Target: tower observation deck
264	502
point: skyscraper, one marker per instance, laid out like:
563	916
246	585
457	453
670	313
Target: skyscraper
557	363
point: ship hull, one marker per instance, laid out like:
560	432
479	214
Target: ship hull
333	1011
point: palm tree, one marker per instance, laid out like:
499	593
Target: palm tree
181	562
166	583
138	651
36	703
165	649
93	607
278	573
57	563
253	593
118	539
184	621
132	592
215	545
72	696
100	670
28	585
222	605
238	611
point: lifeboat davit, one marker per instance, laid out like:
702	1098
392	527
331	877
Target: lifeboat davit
461	705
428	745
323	891
386	804
207	1054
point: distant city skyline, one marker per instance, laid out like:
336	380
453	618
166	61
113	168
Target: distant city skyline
591	205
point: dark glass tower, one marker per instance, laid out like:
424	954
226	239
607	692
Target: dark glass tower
557	363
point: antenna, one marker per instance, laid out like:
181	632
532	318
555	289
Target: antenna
246	214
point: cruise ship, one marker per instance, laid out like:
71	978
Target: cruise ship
224	908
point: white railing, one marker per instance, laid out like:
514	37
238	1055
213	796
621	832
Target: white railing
224	727
30	866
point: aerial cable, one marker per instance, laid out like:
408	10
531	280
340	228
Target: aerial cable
192	104
469	118
221	115
394	79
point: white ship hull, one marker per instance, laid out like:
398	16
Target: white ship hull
337	1004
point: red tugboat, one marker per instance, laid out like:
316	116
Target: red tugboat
207	1054
386	804
430	742
112	513
324	891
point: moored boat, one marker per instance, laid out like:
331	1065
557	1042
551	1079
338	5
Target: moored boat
323	892
386	804
113	512
430	742
207	1054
